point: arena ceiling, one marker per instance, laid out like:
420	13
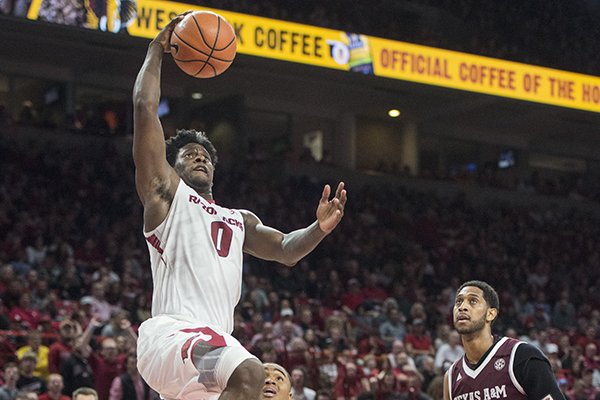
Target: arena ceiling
67	53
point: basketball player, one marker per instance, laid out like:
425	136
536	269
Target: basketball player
185	351
278	384
493	367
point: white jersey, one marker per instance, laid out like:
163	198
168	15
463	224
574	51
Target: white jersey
196	258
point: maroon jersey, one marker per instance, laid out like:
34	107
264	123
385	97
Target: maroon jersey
494	378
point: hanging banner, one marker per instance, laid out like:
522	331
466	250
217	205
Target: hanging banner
327	48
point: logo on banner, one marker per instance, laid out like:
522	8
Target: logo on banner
354	51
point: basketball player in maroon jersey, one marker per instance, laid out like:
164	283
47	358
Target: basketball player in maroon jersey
494	367
278	384
186	351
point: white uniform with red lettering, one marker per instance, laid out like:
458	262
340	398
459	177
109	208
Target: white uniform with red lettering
196	258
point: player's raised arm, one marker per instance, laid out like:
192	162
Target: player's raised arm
153	173
270	244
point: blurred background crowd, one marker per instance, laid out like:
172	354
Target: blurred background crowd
368	314
368	311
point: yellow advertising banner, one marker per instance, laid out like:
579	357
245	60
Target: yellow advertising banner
256	36
287	41
398	60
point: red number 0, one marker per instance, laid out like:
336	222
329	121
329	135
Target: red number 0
221	235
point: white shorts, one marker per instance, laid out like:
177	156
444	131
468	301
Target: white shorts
164	354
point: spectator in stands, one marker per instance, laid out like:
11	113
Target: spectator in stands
563	315
141	309
418	342
100	308
539	320
107	364
428	372
119	325
371	344
583	389
386	385
328	366
372	291
299	390
8	352
27	381
26	395
404	370
286	326
353	296
76	370
130	385
36	252
323	394
392	328
35	346
85	393
350	382
23	314
55	387
449	352
9	390
397	348
61	350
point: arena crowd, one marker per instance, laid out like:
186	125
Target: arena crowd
369	311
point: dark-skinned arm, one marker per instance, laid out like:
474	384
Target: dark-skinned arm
288	248
155	180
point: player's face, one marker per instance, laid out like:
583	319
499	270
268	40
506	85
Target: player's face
471	311
195	166
277	384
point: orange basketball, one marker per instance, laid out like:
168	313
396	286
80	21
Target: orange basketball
203	44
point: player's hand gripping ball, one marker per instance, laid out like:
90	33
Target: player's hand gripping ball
203	44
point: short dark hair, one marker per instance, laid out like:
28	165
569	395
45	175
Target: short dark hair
489	293
185	136
85	391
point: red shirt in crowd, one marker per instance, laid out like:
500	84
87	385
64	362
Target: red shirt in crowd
104	373
57	354
46	396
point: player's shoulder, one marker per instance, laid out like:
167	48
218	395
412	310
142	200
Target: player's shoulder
249	217
526	351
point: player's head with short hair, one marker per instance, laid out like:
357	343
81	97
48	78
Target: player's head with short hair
475	307
278	383
185	136
85	393
489	293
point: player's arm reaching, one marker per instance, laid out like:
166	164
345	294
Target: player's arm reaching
288	248
155	180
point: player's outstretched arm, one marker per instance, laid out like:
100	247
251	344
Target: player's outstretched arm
152	169
288	248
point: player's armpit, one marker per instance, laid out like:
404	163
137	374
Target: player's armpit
261	241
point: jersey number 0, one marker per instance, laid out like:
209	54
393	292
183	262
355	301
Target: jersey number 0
221	235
